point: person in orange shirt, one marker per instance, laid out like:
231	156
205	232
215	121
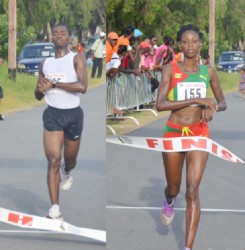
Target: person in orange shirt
111	47
179	57
79	48
124	39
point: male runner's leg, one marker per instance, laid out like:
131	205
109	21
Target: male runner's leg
71	149
53	144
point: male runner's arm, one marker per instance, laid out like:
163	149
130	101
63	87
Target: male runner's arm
42	83
81	85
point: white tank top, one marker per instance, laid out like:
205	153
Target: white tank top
62	70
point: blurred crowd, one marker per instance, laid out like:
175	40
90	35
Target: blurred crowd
134	53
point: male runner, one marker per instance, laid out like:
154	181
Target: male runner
62	80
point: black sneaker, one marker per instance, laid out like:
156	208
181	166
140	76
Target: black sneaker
1	117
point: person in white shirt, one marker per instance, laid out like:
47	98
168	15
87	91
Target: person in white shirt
97	56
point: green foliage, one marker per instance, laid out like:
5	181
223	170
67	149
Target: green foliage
165	17
27	36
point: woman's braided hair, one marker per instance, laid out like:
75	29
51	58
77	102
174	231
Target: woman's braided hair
188	27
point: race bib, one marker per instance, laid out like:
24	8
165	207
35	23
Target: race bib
189	90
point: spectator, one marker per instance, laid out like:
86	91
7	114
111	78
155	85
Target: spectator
149	67
150	61
115	66
205	59
79	48
97	56
70	47
144	49
128	61
111	47
137	33
169	58
153	41
124	39
112	67
161	52
179	57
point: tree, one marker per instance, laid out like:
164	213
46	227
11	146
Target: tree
165	17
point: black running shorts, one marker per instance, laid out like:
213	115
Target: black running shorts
68	120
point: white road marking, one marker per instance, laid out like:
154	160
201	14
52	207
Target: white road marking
177	209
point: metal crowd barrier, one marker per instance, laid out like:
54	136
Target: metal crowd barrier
128	92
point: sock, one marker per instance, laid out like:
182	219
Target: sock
171	204
55	207
67	171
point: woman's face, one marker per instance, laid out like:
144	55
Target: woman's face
154	41
151	51
190	44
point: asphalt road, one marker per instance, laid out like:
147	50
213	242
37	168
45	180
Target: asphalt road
135	184
23	185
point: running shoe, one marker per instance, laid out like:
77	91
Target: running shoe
167	214
186	248
1	117
54	213
67	179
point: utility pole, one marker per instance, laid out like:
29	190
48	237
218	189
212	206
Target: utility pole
12	40
211	31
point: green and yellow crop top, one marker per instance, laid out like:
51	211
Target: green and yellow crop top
186	86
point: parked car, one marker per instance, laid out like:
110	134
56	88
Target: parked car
231	61
31	56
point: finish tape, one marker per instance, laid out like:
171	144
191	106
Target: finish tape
177	144
41	223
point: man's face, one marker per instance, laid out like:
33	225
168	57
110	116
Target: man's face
112	42
60	37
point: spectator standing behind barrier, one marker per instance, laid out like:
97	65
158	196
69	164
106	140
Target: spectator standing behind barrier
1	90
149	67
131	53
242	81
79	48
111	47
205	59
183	91
164	52
153	41
114	67
128	62
124	39
144	48
62	80
97	56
